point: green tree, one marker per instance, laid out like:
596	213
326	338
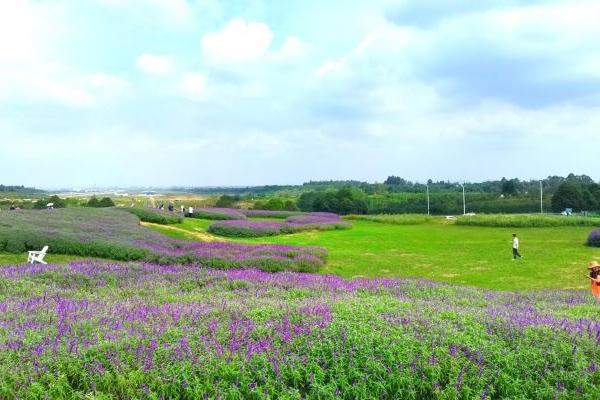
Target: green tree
226	201
569	194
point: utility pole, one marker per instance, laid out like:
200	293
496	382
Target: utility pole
464	204
541	198
427	186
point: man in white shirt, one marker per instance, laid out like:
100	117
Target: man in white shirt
190	211
515	247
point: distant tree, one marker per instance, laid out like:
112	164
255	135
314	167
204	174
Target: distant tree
289	205
106	202
510	187
395	180
568	195
92	202
275	204
226	201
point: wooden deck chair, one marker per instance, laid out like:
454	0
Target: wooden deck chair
37	256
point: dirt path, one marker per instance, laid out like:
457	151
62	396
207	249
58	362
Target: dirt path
198	235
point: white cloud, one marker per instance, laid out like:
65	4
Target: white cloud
292	49
29	30
174	12
335	68
194	86
108	82
238	41
153	64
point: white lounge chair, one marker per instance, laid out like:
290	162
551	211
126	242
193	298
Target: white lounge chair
37	256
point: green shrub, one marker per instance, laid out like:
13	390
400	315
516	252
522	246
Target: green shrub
155	217
527	221
57	202
104	202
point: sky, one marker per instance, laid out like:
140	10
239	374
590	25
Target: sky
214	92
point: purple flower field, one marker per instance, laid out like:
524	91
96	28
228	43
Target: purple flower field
114	234
292	224
135	330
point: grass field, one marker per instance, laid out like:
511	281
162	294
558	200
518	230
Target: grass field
467	255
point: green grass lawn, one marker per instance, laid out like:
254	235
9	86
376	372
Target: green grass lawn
469	255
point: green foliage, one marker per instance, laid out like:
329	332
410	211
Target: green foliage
275	204
104	202
395	219
568	195
57	201
344	201
527	221
154	216
226	201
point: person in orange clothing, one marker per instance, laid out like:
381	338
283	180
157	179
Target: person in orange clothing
594	268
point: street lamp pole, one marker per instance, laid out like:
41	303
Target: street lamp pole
541	198
427	186
464	204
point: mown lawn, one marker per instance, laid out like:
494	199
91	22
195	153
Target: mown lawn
467	255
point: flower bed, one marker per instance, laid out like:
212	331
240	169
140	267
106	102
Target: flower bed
109	233
269	213
292	224
110	330
218	213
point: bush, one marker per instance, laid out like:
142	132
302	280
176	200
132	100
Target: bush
57	202
226	201
155	217
104	202
594	238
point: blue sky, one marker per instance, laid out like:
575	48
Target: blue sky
209	92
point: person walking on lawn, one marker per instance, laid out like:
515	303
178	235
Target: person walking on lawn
515	247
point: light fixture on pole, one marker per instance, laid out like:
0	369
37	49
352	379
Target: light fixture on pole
464	204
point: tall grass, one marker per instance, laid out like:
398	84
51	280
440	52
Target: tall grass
394	219
527	221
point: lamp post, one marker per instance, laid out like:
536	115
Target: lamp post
464	204
541	198
427	186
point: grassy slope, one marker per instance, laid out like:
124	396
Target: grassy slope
479	256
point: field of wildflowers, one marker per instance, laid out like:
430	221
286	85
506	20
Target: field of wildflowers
114	234
131	330
292	224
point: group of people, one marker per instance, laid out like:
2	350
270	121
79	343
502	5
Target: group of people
183	209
